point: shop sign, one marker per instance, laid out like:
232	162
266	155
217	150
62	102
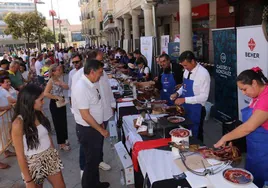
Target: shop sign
199	12
251	46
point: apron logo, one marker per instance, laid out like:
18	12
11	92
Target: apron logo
184	89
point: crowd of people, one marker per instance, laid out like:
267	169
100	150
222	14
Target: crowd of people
24	82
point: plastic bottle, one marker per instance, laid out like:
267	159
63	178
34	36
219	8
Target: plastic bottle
265	184
134	91
122	179
150	128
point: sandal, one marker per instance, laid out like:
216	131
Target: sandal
65	147
4	166
8	153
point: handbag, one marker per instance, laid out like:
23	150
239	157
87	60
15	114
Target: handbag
61	103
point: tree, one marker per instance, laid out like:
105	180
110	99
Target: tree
61	38
47	36
25	26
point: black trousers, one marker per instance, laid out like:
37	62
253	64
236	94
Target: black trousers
59	119
82	160
91	142
201	130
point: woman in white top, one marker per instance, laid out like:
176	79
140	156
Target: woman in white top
143	70
54	91
31	134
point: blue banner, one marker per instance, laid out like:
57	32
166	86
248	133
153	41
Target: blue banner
174	50
225	62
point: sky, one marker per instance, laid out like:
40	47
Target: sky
67	9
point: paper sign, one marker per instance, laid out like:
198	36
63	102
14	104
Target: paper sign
139	121
142	128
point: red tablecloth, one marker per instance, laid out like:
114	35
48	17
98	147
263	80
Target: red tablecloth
150	144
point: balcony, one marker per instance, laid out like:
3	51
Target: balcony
81	2
88	16
101	26
108	19
92	14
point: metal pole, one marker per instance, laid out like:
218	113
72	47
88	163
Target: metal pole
155	26
60	38
53	24
155	39
38	34
60	34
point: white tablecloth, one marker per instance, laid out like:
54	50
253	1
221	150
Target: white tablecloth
130	131
160	165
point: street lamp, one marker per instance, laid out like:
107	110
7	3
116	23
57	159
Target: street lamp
35	6
59	21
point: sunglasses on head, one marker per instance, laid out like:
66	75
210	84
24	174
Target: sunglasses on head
76	62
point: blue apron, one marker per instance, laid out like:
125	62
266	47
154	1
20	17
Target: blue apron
140	74
193	111
168	86
257	151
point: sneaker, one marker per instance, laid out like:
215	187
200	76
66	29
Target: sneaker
81	173
103	185
104	166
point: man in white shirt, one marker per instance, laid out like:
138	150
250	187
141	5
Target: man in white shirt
77	61
38	66
60	56
107	99
88	113
194	92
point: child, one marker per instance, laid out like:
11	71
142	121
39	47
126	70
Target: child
45	70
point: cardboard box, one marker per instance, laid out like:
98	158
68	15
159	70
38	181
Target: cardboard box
126	162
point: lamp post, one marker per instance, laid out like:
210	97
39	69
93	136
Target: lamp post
35	6
53	14
59	21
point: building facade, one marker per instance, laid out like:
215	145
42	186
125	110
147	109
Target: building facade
78	40
16	6
123	22
65	30
91	18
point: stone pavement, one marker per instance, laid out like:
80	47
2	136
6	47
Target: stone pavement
11	178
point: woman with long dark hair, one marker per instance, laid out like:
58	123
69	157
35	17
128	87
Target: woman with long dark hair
54	91
253	84
31	135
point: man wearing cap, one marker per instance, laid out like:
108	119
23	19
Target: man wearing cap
194	92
